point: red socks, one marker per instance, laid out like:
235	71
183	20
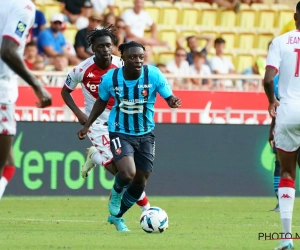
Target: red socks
286	182
143	202
8	172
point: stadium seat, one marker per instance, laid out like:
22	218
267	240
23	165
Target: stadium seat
229	56
148	4
164	57
235	121
154	12
263	40
227	18
266	19
117	10
246	41
284	17
230	39
51	9
169	36
259	6
246	19
169	16
243	61
182	5
252	121
70	34
162	4
188	17
201	6
208	18
280	6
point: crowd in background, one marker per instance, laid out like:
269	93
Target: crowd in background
48	49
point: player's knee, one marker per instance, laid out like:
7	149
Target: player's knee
127	175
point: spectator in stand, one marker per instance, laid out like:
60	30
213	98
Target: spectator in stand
71	9
200	68
101	5
257	69
81	45
109	18
60	64
162	67
39	24
179	67
52	42
228	4
252	1
148	55
39	65
137	20
192	43
120	34
30	54
221	65
86	11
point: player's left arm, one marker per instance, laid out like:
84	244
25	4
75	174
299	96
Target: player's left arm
164	89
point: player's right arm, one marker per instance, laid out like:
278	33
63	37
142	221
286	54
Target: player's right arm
99	105
14	33
273	63
71	82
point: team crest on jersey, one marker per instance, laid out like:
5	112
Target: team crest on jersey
20	29
118	151
68	80
145	92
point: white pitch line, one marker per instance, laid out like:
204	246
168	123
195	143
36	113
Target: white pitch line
41	220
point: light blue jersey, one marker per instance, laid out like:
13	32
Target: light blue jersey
133	110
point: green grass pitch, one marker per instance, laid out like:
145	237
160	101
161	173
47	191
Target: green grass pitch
194	223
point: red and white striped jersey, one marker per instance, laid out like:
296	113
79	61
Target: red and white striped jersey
88	74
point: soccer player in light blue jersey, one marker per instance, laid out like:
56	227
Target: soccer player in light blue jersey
131	122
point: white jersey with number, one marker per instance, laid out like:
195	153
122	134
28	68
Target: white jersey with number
284	56
16	19
88	74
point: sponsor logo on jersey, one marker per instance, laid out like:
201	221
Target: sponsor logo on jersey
4	119
118	151
74	70
28	7
145	92
20	29
68	80
80	70
90	75
145	86
92	87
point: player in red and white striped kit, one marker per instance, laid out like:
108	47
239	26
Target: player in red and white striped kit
88	73
16	19
284	57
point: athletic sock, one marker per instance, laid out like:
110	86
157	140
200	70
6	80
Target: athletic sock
119	183
143	202
286	195
276	179
129	198
8	173
97	158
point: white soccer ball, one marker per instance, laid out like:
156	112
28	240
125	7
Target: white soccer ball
154	220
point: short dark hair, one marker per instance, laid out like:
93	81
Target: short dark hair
219	40
30	44
106	31
190	37
298	7
199	54
125	46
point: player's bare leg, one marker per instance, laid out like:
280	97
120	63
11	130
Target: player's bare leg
5	147
7	173
286	194
276	180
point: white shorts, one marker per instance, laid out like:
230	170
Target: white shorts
99	136
287	128
8	124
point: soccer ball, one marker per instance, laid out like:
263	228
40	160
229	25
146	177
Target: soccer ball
154	220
